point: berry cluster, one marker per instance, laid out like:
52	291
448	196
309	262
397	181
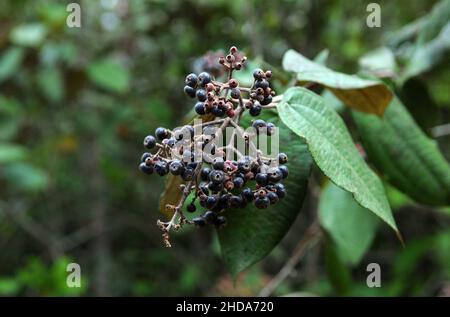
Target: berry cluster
219	177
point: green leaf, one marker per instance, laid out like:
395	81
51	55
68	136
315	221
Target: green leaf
380	61
435	21
30	35
110	75
333	150
25	176
252	233
11	153
10	62
426	56
51	83
362	94
405	155
351	226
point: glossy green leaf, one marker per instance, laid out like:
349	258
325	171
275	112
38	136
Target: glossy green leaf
405	155
110	74
362	94
252	233
351	226
333	150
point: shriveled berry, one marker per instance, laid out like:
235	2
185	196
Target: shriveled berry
147	169
191	80
199	221
161	133
233	83
188	90
200	108
149	142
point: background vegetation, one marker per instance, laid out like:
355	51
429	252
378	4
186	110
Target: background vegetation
76	103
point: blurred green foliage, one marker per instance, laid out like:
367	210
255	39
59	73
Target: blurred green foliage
75	104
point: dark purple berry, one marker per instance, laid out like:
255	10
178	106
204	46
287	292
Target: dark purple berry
145	156
200	108
149	142
282	158
210	202
201	95
261	179
188	90
176	167
220	221
191	80
247	193
218	163
161	133
210	216
235	93
217	177
238	182
255	110
204	173
258	74
204	78
284	170
161	168
262	202
273	197
147	169
199	221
